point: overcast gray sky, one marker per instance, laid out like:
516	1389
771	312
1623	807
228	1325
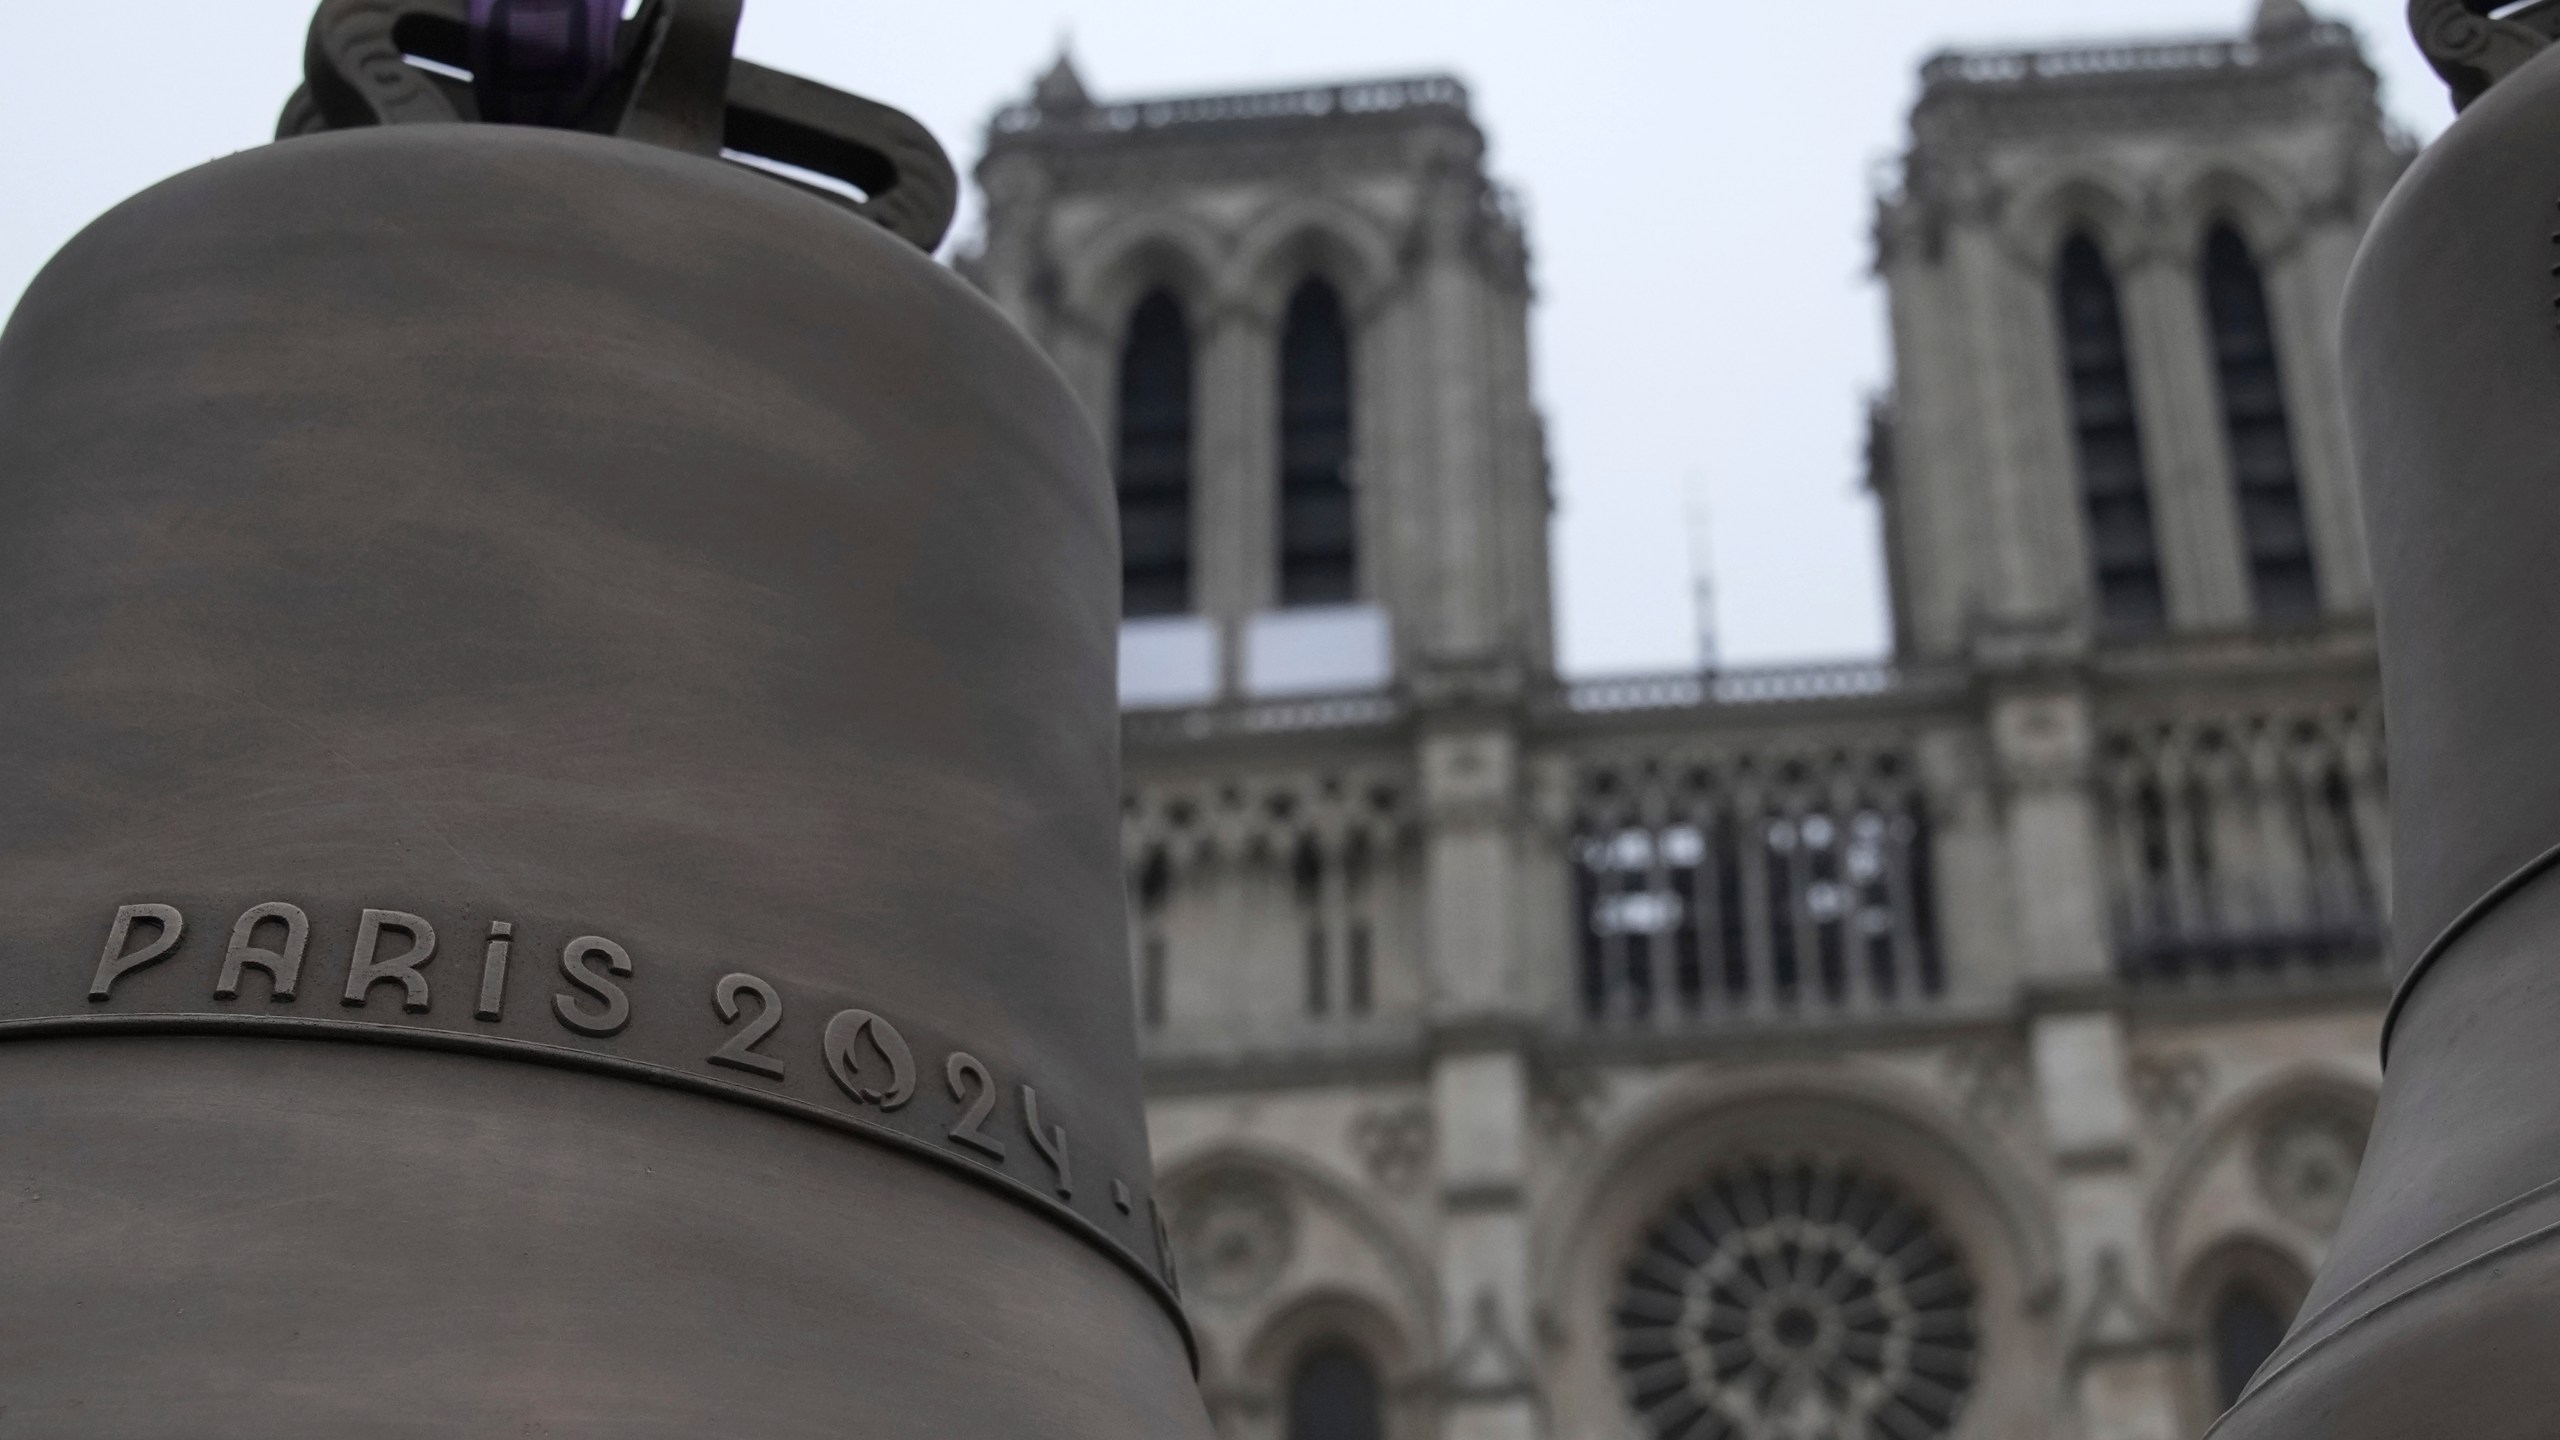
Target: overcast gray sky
1697	172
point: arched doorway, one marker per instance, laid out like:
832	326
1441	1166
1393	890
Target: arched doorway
1334	1395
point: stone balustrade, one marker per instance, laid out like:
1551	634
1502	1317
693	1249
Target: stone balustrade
2134	60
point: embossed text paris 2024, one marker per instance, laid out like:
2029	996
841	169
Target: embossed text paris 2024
585	1015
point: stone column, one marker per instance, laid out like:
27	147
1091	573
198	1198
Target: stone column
2120	1368
2041	737
1523	507
2304	283
1389	457
1248	461
2010	412
1451	574
2120	1358
2180	405
1969	857
1480	1017
1955	552
1230	375
1480	1095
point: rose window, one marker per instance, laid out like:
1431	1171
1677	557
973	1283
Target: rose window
1796	1301
2307	1162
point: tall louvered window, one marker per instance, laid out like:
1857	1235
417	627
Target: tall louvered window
1155	459
1318	533
2264	476
2115	488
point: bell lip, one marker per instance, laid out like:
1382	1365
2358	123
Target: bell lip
2419	1292
620	1067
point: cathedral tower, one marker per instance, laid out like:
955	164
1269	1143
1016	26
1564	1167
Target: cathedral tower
2114	278
1301	320
2023	984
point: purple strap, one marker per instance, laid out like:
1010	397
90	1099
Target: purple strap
540	62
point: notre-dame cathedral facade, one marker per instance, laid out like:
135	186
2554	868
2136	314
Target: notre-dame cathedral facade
1976	1043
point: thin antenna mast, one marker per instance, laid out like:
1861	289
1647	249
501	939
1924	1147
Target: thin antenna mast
1702	574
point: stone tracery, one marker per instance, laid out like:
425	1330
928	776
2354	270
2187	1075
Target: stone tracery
1716	884
1795	1300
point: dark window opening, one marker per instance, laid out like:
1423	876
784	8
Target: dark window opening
1151	981
1358	978
1779	839
2349	862
2115	487
2265	479
1319	975
1733	921
1360	982
1334	1395
1155	459
1318	524
1155	884
1588	883
1308	880
1923	883
2247	1327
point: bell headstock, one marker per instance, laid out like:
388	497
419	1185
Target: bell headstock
2474	44
665	76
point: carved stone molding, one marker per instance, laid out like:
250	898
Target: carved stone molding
1490	1364
2169	1089
1232	1237
1394	1145
2306	1161
1199	823
1991	1081
2117	1321
1567	1106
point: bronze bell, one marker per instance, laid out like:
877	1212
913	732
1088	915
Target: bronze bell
558	786
2438	1310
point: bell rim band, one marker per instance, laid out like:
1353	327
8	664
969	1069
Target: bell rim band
2419	1292
2461	924
499	1047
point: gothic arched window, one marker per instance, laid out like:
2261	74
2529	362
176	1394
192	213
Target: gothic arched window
2273	532
2247	1327
2115	487
1334	1395
1318	554
1155	459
